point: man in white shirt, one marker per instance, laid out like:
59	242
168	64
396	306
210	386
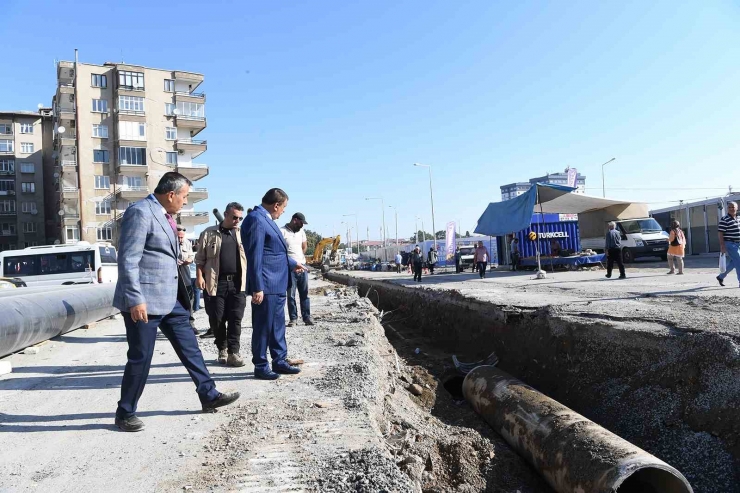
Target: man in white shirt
297	243
399	260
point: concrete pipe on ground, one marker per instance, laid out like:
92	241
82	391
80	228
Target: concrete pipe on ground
35	316
571	452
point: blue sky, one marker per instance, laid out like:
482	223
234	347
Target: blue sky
334	101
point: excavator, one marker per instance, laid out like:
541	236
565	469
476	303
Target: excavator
322	258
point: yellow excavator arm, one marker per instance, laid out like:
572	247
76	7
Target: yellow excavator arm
318	254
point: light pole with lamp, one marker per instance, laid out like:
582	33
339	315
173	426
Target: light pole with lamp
431	196
357	232
382	208
395	211
603	186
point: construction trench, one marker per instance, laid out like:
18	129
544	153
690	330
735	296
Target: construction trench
672	393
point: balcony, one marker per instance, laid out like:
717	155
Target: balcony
66	73
65	111
68	163
7	150
194	147
128	192
8	213
193	171
190	78
70	192
197	194
194	97
8	232
194	123
192	218
132	169
70	219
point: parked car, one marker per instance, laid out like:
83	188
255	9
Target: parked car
11	283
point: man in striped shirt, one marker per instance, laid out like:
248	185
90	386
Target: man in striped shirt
729	241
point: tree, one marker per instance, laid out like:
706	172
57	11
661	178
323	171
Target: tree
467	234
312	239
421	234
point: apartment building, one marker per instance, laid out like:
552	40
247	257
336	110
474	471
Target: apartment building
117	129
21	179
516	189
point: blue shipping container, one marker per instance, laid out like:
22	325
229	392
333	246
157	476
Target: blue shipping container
562	228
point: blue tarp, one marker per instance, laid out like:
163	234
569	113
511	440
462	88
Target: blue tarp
577	261
511	216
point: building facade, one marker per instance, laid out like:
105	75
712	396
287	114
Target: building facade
516	189
699	221
22	179
117	128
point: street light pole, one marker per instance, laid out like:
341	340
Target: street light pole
603	185
357	232
431	195
382	209
395	211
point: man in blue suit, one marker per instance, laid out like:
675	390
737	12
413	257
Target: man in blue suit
268	265
151	294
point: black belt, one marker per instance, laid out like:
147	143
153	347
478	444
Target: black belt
227	277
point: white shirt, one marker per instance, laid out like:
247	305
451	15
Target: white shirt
295	244
399	258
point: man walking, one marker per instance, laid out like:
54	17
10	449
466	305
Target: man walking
222	273
151	295
417	262
399	261
614	251
729	242
184	261
480	258
268	265
297	243
432	259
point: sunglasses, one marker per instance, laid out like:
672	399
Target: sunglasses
237	218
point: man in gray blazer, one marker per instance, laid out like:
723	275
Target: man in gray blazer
151	295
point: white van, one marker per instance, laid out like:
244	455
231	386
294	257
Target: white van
640	238
81	263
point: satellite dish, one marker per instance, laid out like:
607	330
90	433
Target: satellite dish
61	130
56	175
41	105
57	242
61	212
175	111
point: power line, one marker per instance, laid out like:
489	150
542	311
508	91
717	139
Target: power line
669	188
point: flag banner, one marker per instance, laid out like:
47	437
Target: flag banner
572	175
450	241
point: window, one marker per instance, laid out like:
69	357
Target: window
132	155
28	168
100	156
100	105
169	109
191	110
132	181
131	80
26	128
130	104
170	133
132	130
72	234
105	234
36	264
29	207
7	228
99	80
7	186
169	85
102	182
27	147
6	146
102	207
7	206
6	129
171	158
28	187
7	166
100	131
29	227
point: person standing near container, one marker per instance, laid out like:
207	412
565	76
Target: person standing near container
481	259
676	247
515	254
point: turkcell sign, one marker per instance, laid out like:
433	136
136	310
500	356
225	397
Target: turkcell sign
554	234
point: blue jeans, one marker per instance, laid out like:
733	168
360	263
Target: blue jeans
196	296
733	259
299	281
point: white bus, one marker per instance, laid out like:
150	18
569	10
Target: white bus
81	263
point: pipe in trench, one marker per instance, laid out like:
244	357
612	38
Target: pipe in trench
35	316
572	453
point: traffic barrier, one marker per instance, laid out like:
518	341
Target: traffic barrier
33	315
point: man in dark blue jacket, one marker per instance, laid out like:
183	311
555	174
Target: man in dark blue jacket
268	265
614	251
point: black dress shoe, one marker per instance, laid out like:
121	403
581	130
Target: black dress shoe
265	375
195	331
220	401
130	424
209	334
308	321
720	281
285	369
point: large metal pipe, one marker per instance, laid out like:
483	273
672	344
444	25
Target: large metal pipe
572	453
36	316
